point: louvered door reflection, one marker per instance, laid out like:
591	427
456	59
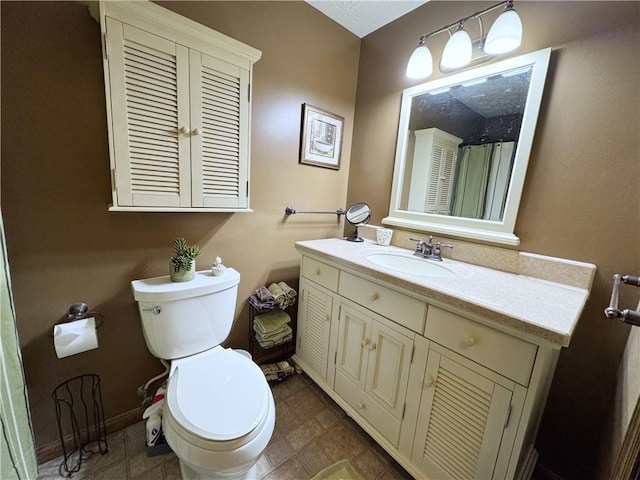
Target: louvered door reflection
440	179
314	326
149	84
462	416
219	120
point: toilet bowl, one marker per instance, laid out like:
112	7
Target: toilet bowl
219	412
219	415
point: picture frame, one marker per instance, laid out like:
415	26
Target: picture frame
321	137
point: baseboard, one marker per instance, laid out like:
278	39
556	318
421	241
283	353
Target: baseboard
53	450
543	473
528	465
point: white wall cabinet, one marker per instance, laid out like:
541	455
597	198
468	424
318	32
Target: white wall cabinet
447	396
178	107
434	164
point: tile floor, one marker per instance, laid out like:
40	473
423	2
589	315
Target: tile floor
311	433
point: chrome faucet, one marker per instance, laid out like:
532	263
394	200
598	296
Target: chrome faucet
429	249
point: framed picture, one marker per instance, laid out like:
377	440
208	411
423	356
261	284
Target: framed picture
321	137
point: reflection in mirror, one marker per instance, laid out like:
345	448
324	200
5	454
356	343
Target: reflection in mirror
463	149
462	143
358	215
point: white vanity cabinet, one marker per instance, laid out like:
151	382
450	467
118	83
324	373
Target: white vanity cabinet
446	394
178	111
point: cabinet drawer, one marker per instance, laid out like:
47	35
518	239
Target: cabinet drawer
502	353
321	273
369	409
402	309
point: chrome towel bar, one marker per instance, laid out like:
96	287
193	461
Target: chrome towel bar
631	317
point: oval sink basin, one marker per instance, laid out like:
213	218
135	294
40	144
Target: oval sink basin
410	265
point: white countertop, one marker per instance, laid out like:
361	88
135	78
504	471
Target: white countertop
544	309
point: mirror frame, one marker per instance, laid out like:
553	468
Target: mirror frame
472	228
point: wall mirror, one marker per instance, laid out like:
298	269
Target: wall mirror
463	148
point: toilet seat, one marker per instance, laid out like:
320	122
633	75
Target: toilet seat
217	396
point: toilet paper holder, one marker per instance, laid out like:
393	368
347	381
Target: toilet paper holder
78	311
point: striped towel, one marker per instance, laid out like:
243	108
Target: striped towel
279	294
289	292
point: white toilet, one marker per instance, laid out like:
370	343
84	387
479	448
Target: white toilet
219	412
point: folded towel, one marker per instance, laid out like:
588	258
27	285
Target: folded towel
289	292
279	295
284	336
271	321
263	300
272	333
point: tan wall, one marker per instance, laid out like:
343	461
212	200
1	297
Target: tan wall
581	198
64	246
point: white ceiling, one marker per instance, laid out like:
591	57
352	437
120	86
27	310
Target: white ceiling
362	17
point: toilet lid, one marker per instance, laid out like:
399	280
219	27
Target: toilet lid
219	397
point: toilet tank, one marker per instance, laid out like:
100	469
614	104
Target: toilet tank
184	318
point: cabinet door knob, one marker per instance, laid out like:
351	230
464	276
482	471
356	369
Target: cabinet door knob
470	341
374	297
197	131
360	406
316	272
365	342
429	381
372	346
327	317
184	130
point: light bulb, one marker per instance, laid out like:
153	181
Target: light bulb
505	34
420	63
457	51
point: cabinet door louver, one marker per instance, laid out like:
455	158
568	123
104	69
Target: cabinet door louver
314	331
459	436
221	115
433	179
149	87
440	179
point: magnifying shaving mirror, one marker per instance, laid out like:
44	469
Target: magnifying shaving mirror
357	215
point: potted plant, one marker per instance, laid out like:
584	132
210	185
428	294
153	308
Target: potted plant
182	266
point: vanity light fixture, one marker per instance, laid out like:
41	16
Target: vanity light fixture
505	35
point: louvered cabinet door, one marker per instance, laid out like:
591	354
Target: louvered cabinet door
219	132
462	417
440	180
149	90
314	327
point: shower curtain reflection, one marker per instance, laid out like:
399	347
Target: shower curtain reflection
482	180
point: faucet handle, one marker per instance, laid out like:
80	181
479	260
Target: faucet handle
437	249
419	246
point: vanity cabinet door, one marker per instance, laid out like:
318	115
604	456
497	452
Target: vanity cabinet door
315	314
388	367
463	413
372	368
354	338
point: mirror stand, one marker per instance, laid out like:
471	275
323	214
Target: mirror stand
354	236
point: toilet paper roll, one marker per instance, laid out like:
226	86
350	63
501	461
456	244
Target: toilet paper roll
75	337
